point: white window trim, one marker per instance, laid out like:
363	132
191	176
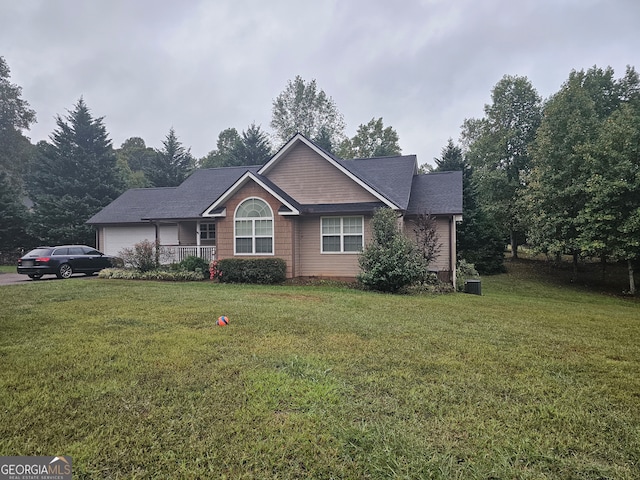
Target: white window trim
253	230
342	235
204	229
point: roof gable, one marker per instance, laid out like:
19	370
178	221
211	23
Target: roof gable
311	175
214	209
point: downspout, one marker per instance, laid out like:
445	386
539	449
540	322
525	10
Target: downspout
157	227
452	265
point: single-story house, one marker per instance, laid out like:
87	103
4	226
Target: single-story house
303	205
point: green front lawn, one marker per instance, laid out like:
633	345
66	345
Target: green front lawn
134	380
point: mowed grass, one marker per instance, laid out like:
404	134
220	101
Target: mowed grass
134	380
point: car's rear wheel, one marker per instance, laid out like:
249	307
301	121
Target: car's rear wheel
35	276
64	271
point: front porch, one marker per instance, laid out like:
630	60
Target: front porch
177	253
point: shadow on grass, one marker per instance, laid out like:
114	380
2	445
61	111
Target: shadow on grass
596	277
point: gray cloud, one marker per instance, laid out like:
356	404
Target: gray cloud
201	67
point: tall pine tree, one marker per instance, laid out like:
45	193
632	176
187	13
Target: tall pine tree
74	177
172	163
13	216
479	240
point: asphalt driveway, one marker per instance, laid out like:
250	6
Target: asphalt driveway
15	278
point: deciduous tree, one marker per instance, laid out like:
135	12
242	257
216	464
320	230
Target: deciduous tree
15	116
498	149
226	149
133	158
303	107
557	187
609	223
371	140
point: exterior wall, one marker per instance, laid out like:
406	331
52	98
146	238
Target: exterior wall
282	228
310	179
313	263
447	247
187	233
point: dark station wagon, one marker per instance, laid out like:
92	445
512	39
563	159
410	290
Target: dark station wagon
63	261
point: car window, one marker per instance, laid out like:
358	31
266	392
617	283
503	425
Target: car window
76	251
61	251
39	252
91	251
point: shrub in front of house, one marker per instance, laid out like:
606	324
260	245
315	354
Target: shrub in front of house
165	275
195	264
391	262
252	270
143	256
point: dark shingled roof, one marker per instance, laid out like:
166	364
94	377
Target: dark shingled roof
438	193
188	200
394	178
390	176
132	206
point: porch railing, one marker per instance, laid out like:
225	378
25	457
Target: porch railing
177	253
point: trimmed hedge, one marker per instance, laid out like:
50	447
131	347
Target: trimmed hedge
255	270
169	276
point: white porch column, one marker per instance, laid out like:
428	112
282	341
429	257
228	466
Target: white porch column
198	239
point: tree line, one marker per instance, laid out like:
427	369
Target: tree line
561	175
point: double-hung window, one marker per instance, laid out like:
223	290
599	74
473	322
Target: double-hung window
207	231
342	234
254	228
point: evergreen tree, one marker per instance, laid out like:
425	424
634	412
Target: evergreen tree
172	163
391	261
254	148
13	216
479	240
233	150
74	177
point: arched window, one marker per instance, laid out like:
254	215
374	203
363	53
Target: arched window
254	228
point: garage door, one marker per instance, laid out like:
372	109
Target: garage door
117	238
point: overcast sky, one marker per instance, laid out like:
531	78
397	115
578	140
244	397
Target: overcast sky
202	66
